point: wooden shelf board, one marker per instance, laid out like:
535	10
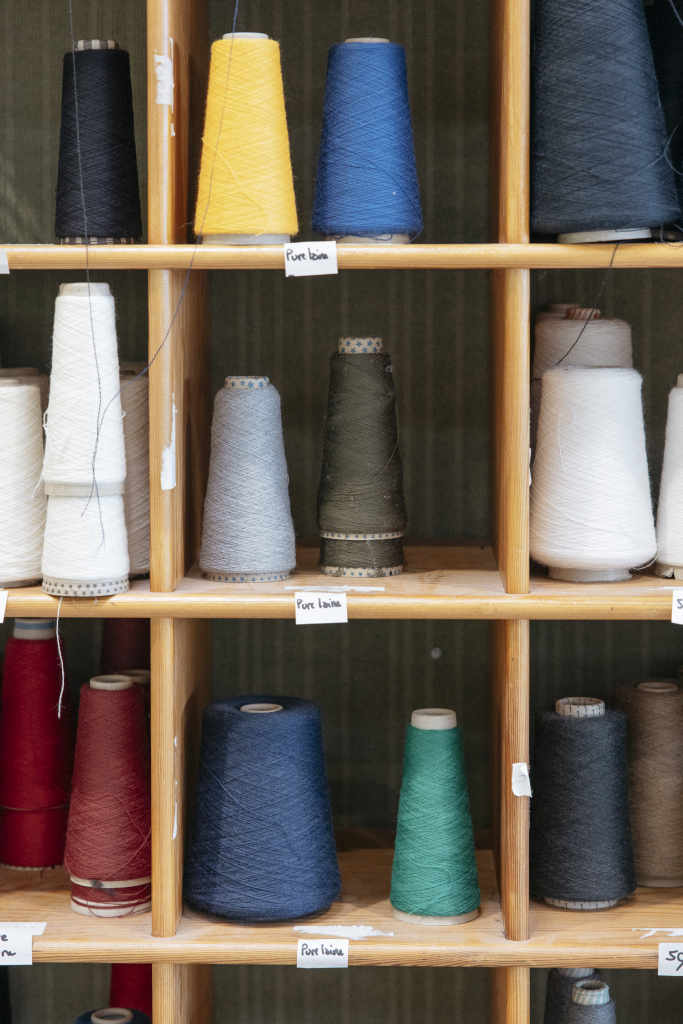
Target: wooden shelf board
441	581
483	256
612	938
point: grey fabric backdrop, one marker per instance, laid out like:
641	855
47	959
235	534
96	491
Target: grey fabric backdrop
369	676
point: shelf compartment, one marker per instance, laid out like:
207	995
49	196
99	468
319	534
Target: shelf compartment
461	256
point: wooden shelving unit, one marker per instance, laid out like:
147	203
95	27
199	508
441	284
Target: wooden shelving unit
442	581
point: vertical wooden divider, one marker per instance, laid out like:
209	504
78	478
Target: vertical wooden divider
177	67
510	299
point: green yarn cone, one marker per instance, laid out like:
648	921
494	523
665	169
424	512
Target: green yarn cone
435	870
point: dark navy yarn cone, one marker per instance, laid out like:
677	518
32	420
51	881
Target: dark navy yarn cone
367	179
598	149
262	845
138	1016
665	23
558	995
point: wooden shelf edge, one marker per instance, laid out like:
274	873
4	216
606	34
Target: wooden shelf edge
485	256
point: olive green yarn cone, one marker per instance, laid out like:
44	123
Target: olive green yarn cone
435	870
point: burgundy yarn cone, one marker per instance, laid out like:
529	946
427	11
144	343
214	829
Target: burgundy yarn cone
131	987
125	644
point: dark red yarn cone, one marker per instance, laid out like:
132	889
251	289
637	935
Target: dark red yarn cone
125	644
36	756
131	987
108	837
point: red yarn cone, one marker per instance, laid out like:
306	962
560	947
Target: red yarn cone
125	644
131	987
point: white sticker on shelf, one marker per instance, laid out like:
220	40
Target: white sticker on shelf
521	785
168	478
671	959
308	259
4	262
4	594
16	941
313	609
323	953
677	606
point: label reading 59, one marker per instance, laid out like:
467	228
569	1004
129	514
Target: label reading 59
677	606
671	959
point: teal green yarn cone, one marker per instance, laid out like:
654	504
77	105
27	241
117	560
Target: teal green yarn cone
435	872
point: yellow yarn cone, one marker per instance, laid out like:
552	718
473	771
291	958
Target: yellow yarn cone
245	180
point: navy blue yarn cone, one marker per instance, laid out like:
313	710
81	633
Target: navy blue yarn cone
262	846
367	179
665	23
138	1017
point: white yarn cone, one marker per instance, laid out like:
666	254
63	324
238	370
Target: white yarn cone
248	531
591	514
135	402
670	508
22	500
30	375
85	553
84	432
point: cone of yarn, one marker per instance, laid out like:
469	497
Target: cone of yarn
434	877
246	189
590	513
98	199
30	375
85	549
591	1003
135	404
262	846
131	986
599	170
125	642
361	508
36	749
580	852
579	338
84	450
670	507
108	842
665	25
366	189
22	503
115	1014
654	712
248	531
559	990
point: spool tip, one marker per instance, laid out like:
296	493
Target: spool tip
97	44
246	383
261	709
246	35
10	382
366	39
141	676
679	381
434	719
82	288
111	1015
580	313
34	629
580	707
576	972
590	992
658	686
20	371
112	682
359	346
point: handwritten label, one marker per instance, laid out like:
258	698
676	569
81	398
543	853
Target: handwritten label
4	594
520	779
677	606
16	945
308	259
312	609
4	262
322	953
671	959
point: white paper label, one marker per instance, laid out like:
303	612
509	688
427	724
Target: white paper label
322	953
677	606
671	958
16	946
4	262
312	609
308	259
4	594
520	779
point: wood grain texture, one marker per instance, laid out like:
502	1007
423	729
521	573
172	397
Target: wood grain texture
513	24
182	993
181	674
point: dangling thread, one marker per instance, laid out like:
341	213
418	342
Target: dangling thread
590	513
580	853
366	188
108	843
598	152
135	404
262	846
434	877
559	990
248	532
98	200
22	501
246	187
36	749
654	712
361	508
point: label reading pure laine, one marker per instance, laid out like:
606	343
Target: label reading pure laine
671	959
323	953
677	606
307	259
319	607
16	946
521	786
